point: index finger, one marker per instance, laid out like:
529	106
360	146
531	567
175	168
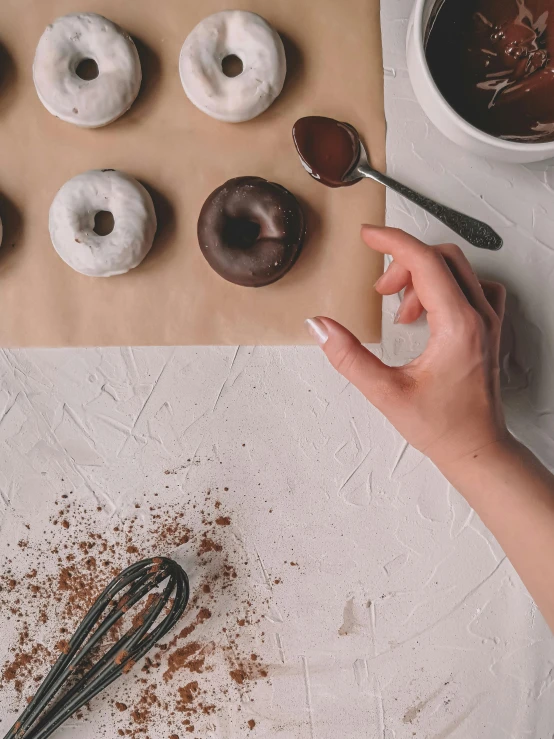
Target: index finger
433	281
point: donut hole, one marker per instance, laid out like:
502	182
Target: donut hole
104	223
240	233
232	66
87	70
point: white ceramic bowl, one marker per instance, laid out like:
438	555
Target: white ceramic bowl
444	116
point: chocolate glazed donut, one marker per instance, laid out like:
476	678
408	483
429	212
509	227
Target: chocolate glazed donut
251	231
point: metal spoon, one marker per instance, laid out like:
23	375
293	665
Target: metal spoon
476	232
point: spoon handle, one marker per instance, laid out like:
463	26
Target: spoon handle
475	232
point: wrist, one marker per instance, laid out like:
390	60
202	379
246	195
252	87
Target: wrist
457	467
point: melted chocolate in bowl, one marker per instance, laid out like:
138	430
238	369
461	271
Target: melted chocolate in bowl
493	61
329	149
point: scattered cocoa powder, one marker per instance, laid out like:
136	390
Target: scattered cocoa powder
184	658
121	657
251	724
208	545
63	646
238	675
22	667
203	615
188	693
87	556
150	601
139	716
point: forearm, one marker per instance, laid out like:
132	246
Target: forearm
513	493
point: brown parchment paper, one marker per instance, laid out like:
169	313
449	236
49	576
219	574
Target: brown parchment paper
181	155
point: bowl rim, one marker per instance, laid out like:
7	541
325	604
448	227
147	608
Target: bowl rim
456	118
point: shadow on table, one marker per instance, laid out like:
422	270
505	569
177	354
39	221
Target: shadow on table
12	224
8	78
526	379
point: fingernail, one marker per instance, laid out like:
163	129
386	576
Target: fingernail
398	314
318	330
376	285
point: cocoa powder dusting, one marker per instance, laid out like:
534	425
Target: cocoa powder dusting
208	545
128	666
180	683
188	693
121	657
238	675
181	659
63	646
150	601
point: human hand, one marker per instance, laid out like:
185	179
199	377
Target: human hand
446	403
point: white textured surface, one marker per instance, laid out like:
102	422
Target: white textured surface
404	618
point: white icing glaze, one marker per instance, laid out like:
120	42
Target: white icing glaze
72	217
63	46
259	47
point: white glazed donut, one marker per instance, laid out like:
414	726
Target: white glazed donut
72	222
260	49
66	43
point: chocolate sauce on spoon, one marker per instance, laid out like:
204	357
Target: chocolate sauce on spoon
328	149
333	153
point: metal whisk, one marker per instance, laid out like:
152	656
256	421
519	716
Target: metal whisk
53	703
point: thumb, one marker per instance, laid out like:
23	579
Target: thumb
350	358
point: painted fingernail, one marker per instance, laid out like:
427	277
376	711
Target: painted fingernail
318	330
398	314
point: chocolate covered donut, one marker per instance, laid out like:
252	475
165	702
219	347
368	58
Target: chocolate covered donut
251	231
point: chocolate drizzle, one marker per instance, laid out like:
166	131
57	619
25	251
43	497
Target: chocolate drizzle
493	61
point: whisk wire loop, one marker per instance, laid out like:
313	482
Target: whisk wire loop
51	706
